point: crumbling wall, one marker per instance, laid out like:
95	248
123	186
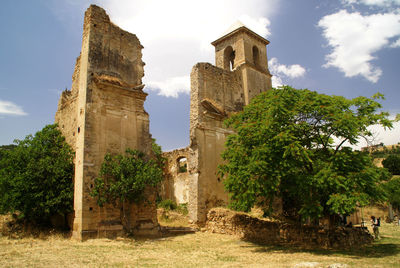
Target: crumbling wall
176	176
215	93
272	233
241	72
67	109
103	113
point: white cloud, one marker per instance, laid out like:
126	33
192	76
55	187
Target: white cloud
171	87
355	38
281	71
259	25
292	71
177	34
388	137
379	134
9	108
276	81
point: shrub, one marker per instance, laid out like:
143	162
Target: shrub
124	179
392	163
182	208
167	204
36	176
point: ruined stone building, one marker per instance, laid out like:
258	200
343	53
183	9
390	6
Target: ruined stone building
241	72
103	113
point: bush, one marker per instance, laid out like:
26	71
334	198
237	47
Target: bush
392	188
36	176
182	208
167	204
392	163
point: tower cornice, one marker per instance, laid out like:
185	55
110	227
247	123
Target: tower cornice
238	30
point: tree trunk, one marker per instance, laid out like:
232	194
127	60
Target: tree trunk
126	216
390	212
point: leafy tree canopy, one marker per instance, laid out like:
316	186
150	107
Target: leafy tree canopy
126	177
7	147
392	163
392	188
289	143
36	176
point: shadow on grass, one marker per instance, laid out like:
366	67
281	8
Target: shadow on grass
167	231
378	249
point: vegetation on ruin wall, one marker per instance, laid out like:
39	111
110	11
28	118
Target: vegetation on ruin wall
290	143
124	178
36	176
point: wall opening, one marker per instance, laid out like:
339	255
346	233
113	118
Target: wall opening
229	58
256	60
182	164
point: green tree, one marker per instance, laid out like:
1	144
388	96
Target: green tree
285	146
7	147
392	188
125	179
36	176
392	163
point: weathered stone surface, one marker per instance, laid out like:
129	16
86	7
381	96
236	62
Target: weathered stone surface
176	181
225	221
103	113
249	58
241	72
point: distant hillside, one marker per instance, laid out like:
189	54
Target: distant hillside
7	147
382	151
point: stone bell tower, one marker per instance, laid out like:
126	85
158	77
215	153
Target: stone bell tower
244	50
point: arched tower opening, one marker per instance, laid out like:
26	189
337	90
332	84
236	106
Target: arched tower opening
182	164
256	56
229	58
244	51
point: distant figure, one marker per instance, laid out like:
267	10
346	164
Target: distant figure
396	220
349	225
376	223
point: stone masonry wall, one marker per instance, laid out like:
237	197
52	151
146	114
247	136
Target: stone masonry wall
252	229
176	183
215	94
67	109
103	113
241	72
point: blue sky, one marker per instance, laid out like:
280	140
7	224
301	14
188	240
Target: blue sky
337	47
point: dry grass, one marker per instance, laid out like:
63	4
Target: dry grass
172	218
190	250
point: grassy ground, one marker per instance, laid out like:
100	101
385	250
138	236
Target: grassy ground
190	250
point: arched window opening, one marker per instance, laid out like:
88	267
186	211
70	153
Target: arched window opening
182	164
229	58
255	56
